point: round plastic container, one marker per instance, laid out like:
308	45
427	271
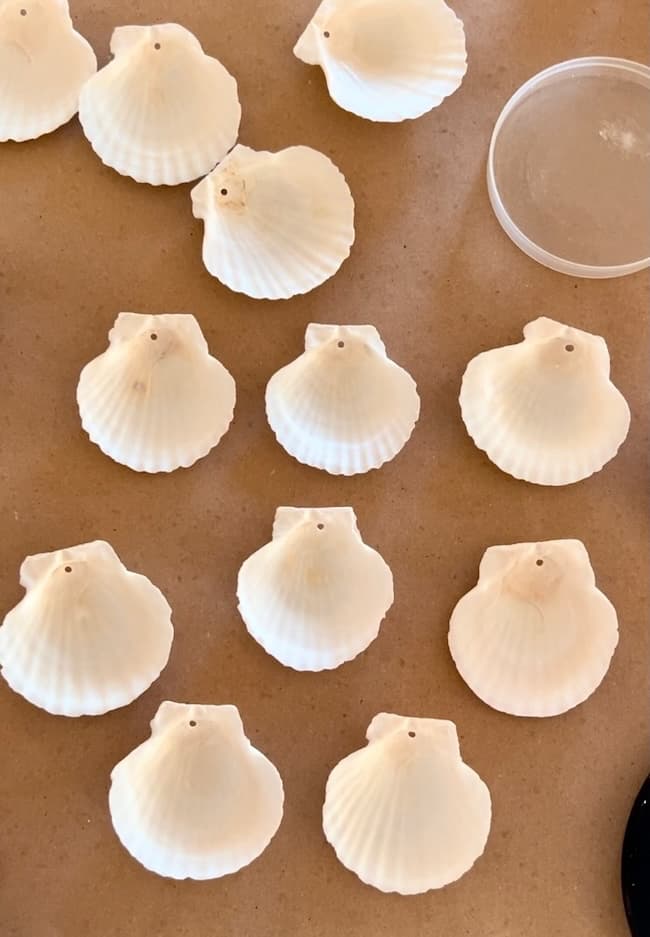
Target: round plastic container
569	167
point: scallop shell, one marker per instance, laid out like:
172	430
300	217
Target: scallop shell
195	800
43	64
387	60
316	595
276	224
156	400
343	405
88	636
545	410
534	637
162	111
405	813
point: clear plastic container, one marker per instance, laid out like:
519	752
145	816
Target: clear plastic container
569	167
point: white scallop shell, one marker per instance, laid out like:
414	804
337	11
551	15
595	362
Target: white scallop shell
534	637
156	400
88	636
195	800
343	405
545	410
315	596
387	60
43	64
162	111
276	224
405	813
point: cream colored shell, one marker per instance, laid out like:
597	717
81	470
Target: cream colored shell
276	224
162	111
386	60
195	800
534	637
405	813
88	636
545	410
343	405
156	400
315	596
43	64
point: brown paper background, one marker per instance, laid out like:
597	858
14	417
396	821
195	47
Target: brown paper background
433	271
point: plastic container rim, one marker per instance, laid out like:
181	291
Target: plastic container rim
513	231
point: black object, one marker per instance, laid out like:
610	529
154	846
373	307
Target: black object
635	865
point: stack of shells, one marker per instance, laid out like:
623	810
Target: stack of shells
534	637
